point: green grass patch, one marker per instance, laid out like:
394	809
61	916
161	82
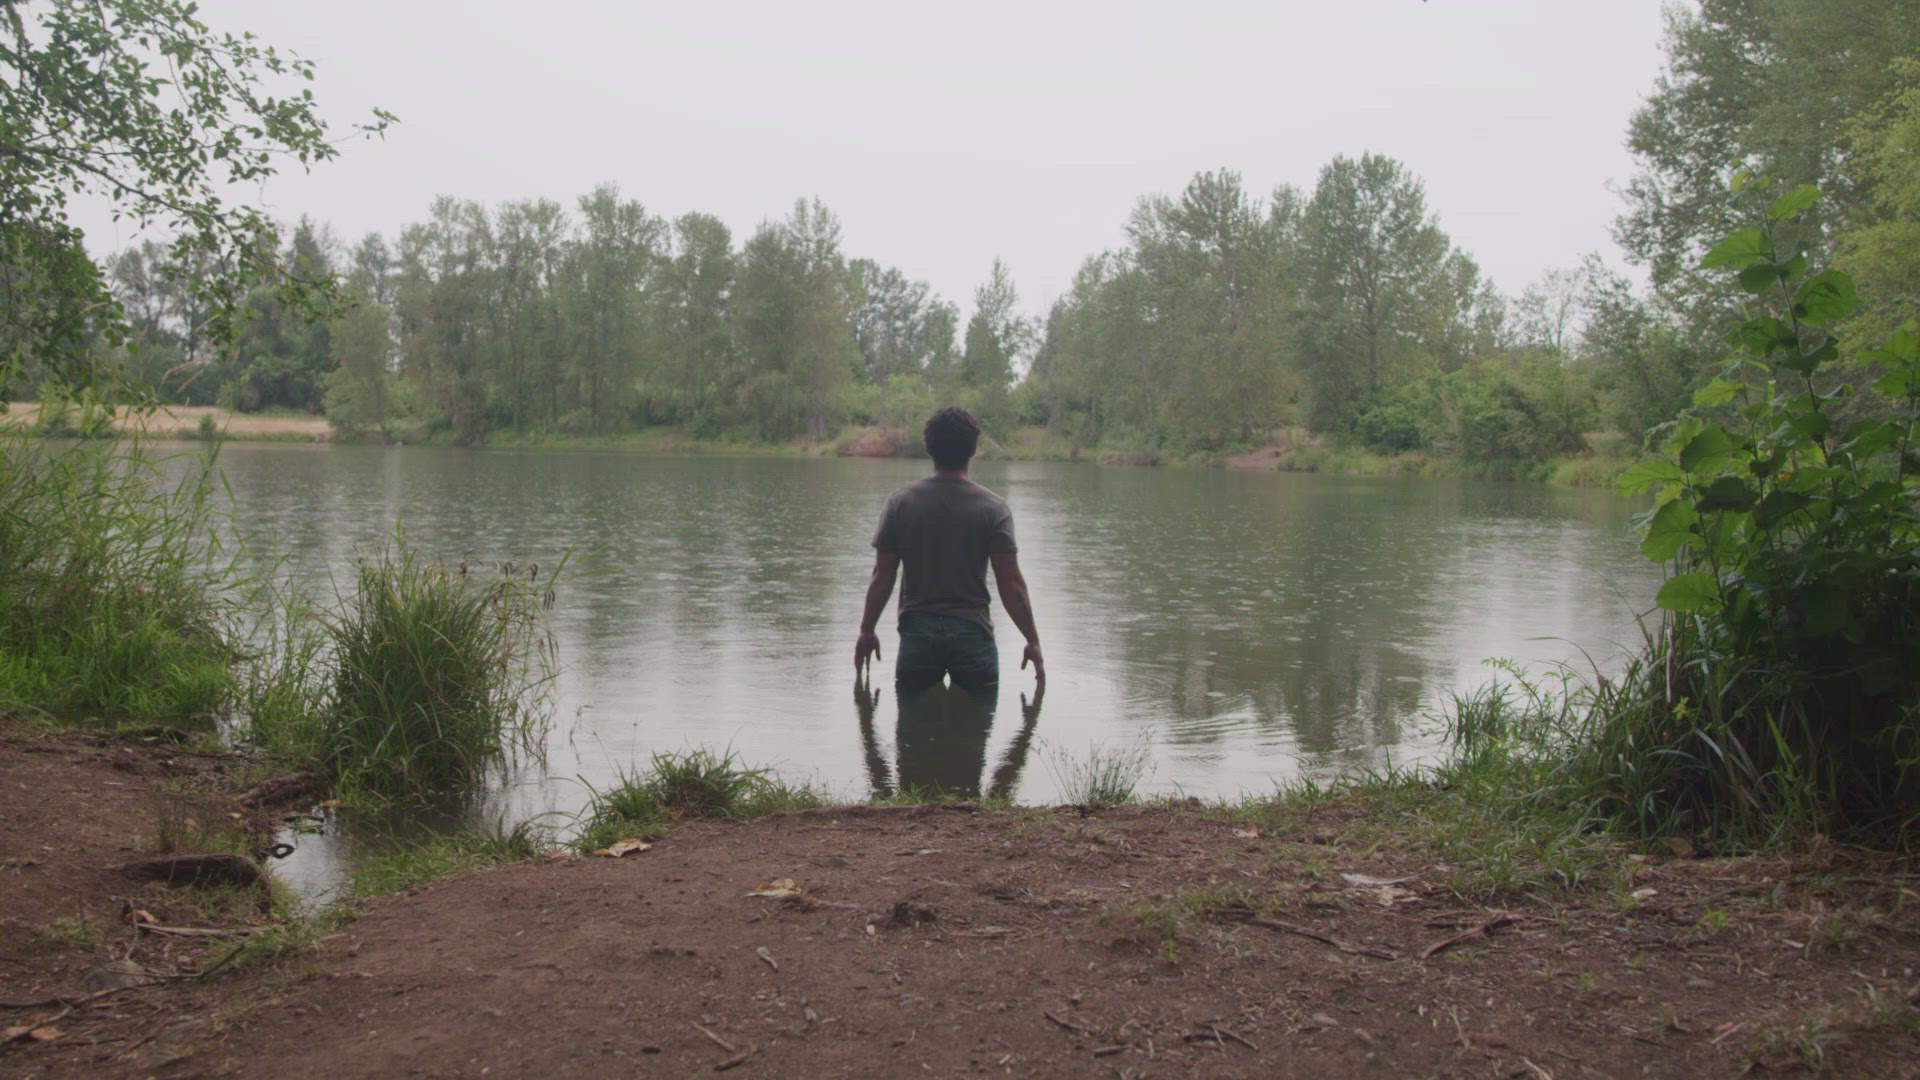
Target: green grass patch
120	598
421	679
1496	820
1107	774
694	783
405	864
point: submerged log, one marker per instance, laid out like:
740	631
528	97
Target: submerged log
198	870
279	789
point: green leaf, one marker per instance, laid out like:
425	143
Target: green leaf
1900	383
1639	477
1669	530
1726	493
1697	591
1717	392
1826	297
1769	465
1806	362
1903	346
1793	202
1759	277
1707	451
1738	250
1762	336
1813	425
1778	504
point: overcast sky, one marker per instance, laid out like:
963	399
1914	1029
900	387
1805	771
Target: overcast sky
945	135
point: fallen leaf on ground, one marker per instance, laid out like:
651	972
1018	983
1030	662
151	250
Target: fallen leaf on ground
1644	894
559	855
44	1033
624	847
1251	832
777	888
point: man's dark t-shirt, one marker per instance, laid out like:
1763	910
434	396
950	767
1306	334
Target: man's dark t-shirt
944	528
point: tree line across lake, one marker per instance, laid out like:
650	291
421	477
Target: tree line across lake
1223	314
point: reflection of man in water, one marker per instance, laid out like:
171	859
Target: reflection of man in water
944	531
942	742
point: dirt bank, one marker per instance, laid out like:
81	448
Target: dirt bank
945	942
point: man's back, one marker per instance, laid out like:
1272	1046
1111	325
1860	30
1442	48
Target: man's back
944	529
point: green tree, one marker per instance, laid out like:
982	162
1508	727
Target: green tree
794	305
890	323
998	336
1771	84
1880	244
700	375
359	386
1378	285
605	302
139	104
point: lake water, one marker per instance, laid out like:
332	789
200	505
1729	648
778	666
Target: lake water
1239	628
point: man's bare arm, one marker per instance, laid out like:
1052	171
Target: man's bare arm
1013	596
886	567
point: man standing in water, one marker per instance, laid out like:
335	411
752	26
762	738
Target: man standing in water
945	530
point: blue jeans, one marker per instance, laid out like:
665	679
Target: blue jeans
935	645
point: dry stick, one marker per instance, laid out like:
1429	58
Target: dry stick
1068	1024
71	1001
737	1059
763	954
718	1041
1218	1030
1239	915
1486	928
191	931
26	1033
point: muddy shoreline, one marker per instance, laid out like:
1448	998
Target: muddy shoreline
1123	941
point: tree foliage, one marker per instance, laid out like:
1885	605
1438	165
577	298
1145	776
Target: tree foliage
1793	527
139	104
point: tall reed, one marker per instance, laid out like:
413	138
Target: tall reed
419	679
119	596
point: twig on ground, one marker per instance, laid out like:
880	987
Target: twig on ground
1218	1030
737	1059
72	1001
1246	915
717	1040
767	956
1068	1024
191	931
25	1033
1484	929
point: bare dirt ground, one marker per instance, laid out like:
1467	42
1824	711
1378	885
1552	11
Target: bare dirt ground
950	941
184	420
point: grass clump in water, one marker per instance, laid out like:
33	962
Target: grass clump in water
119	597
1108	775
692	783
421	680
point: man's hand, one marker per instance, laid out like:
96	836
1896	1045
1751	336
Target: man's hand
1032	653
865	651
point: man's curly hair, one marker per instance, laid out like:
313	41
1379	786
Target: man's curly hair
951	436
